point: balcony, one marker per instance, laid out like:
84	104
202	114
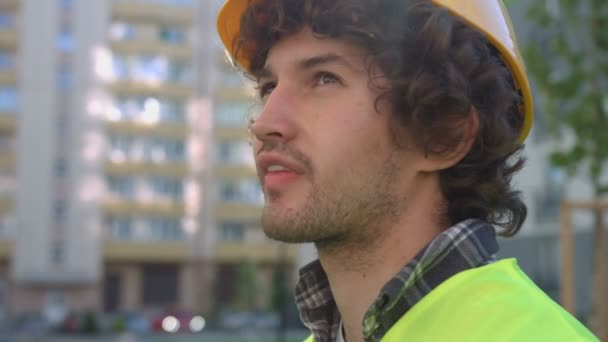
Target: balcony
226	211
172	51
141	209
229	172
7	205
9	5
7	162
169	130
257	252
7	123
152	13
223	133
171	170
233	94
8	77
6	250
8	40
141	251
128	88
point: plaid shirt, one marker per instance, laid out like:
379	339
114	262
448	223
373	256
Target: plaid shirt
466	245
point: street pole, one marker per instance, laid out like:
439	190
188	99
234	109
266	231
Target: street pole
282	280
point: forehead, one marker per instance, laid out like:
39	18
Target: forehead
290	51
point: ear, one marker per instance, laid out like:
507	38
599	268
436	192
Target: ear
466	129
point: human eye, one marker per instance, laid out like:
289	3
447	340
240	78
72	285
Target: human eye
324	77
265	88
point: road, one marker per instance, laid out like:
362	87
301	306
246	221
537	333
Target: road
295	336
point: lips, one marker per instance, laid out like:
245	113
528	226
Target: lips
276	171
275	163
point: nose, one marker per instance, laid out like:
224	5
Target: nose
275	121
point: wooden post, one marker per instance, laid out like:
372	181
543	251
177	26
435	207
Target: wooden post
601	278
567	259
600	271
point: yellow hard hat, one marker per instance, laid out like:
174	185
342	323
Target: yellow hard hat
488	16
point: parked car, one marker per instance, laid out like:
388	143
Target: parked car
178	321
241	320
135	322
32	323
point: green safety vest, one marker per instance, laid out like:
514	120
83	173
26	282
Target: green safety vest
496	302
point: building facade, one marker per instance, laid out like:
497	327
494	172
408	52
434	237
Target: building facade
126	178
107	125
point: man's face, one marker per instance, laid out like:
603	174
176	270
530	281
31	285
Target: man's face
329	169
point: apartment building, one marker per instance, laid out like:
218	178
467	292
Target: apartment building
238	198
104	105
126	178
9	112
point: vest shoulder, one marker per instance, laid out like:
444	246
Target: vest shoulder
496	302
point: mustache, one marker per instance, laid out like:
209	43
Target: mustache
287	150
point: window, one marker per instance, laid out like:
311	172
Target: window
175	150
162	150
172	111
6	143
66	4
65	39
129	108
59	211
123	187
167	187
235	153
120	142
57	253
233	114
172	35
120	228
149	68
230	231
122	31
180	72
166	229
246	190
8	99
6	60
64	77
133	109
60	167
120	69
7	20
61	124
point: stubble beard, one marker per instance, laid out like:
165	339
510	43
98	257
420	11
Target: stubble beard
337	214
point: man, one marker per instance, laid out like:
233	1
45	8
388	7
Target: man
388	135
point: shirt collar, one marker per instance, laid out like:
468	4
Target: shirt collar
468	244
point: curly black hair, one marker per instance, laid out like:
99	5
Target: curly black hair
440	71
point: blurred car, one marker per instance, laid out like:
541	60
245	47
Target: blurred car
178	321
242	320
237	320
72	324
32	323
136	322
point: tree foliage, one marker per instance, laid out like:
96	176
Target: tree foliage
567	57
246	287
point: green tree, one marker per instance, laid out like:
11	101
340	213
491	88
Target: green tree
246	287
568	60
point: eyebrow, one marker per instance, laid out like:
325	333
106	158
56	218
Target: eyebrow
309	63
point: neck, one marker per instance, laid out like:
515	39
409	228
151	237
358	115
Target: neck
358	272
